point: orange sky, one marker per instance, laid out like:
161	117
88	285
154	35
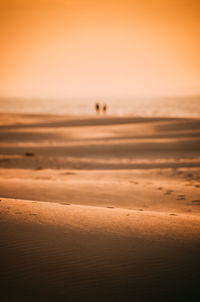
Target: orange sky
59	48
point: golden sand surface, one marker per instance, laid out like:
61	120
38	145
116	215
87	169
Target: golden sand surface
99	208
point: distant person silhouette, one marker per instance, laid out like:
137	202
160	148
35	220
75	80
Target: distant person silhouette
97	108
104	108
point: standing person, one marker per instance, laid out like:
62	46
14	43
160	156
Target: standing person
97	108
104	108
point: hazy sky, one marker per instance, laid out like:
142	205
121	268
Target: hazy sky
58	48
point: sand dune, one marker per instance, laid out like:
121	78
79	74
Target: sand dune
50	251
103	143
105	212
167	191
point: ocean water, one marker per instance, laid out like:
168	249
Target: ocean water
159	107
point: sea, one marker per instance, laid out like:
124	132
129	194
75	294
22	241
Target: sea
187	106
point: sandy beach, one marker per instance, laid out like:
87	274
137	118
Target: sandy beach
99	208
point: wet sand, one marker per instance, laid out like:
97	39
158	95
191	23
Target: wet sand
99	209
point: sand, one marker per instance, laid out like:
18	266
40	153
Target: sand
99	208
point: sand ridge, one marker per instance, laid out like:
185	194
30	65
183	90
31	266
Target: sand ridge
109	220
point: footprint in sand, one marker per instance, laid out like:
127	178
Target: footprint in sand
68	173
134	182
172	214
180	197
196	202
140	209
197	186
159	188
110	207
168	192
189	176
29	154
